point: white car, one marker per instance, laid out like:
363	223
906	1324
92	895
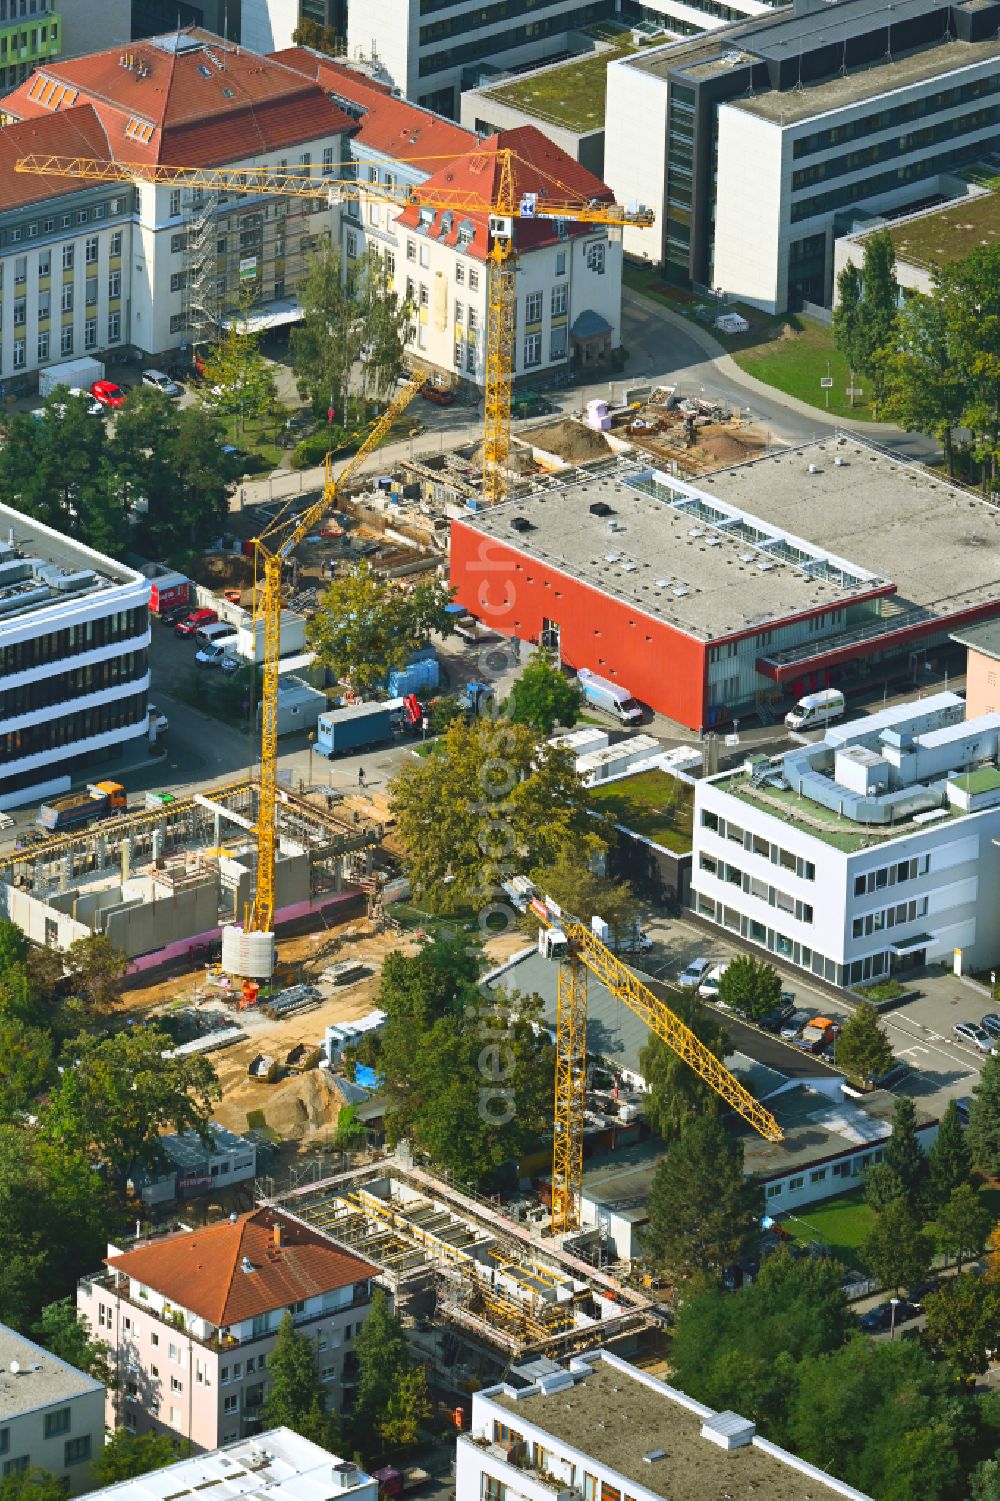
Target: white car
695	973
161	382
93	407
709	987
158	720
974	1033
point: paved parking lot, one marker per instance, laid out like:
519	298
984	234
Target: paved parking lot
921	1031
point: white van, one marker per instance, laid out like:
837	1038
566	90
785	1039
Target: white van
216	651
816	709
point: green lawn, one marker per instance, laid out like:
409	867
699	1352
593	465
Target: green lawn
841	1223
653	804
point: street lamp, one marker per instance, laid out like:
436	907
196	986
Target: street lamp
893	1305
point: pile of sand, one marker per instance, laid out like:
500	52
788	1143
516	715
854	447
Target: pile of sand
571	440
298	1107
728	448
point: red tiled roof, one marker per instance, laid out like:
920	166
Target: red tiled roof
387	124
76	132
205	103
202	1270
538	166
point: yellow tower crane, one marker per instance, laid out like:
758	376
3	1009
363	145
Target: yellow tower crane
581	950
509	201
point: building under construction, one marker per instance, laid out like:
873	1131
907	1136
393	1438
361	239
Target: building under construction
162	880
478	1288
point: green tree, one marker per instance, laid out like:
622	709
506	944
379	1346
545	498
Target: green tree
442	712
121	1093
676	1095
95	970
55	1222
892	1425
984	1482
126	1455
970	294
847	331
896	1250
14	946
740	1350
66	1333
903	1152
863	1049
543	697
750	986
239	380
878	308
926	386
949	1159
32	1485
963	1224
489	804
391	1399
963	1323
882	1185
579	891
27	1061
703	1212
295	1398
320	38
350	314
983	1133
365	625
56	468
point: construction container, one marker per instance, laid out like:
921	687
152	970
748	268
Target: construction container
419	677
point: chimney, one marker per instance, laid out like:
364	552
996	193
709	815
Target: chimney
277	1233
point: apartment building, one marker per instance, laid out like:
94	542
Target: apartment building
175	262
772	134
868	854
74	671
278	1465
602	1429
569	275
51	1414
190	1320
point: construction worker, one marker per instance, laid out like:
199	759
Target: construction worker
361	776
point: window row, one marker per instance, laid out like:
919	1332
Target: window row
889	917
99	211
88	635
773	895
757	844
891	875
82	724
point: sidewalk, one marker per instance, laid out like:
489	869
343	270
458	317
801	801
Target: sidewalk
727	366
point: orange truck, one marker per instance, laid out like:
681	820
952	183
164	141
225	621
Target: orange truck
75	810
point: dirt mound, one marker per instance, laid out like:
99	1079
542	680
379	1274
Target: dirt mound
298	1107
788	331
727	448
571	440
223	570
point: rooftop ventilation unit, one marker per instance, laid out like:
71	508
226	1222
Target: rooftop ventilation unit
521	524
612	557
629	567
600	508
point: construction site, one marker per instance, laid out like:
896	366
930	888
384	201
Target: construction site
479	1287
165	880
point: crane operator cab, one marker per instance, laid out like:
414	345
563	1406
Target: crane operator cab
552	943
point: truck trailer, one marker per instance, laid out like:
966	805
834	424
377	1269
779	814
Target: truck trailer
100	800
75	375
357	727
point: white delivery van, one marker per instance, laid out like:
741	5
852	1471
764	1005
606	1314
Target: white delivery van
610	697
816	710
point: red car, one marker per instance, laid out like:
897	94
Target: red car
194	622
440	395
107	393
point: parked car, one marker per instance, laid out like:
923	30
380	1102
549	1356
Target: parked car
695	972
990	1023
173	614
93	407
108	393
230	664
194	622
709	987
963	1105
817	1035
441	396
160	382
214	652
893	1075
794	1023
880	1317
974	1033
776	1019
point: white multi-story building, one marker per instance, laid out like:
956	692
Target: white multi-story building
600	1429
74	646
191	1318
278	1465
867	854
51	1414
768	138
90	268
